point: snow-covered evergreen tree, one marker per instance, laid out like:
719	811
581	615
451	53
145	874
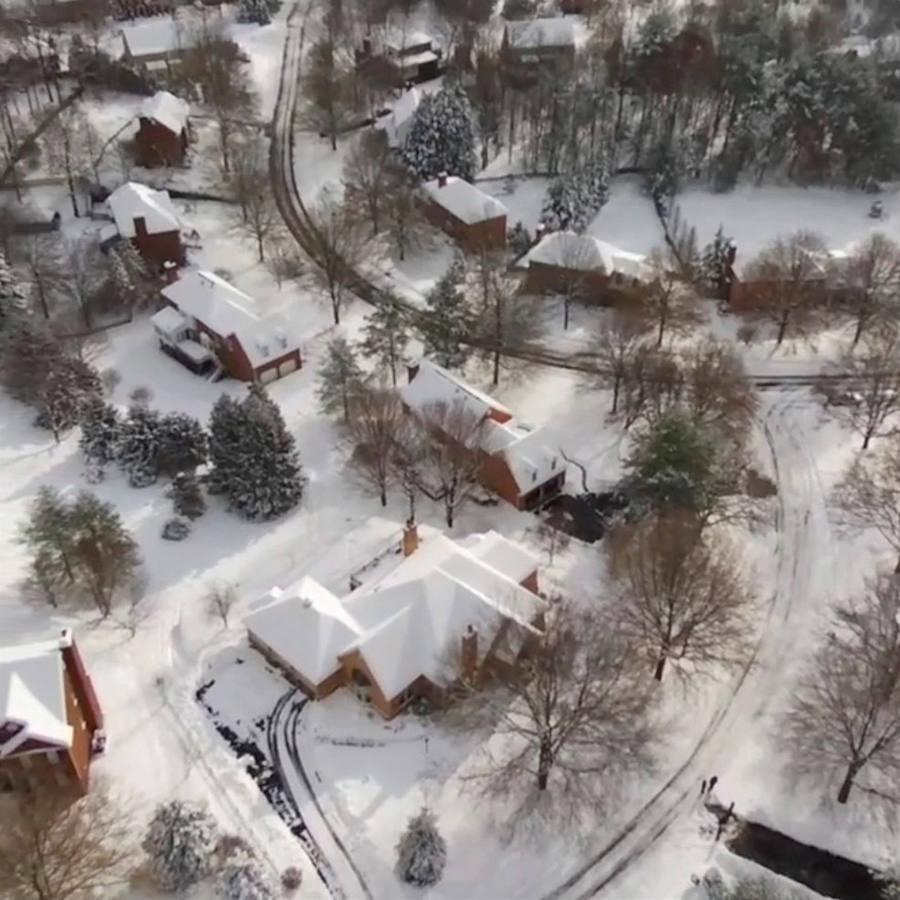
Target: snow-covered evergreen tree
518	240
226	441
179	843
716	262
99	434
450	318
183	444
27	352
12	295
340	378
254	11
573	200
242	878
386	335
421	851
69	385
442	135
126	290
175	529
187	496
137	450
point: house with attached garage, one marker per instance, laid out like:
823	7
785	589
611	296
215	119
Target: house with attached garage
147	218
211	327
474	219
162	135
435	611
51	724
516	463
535	45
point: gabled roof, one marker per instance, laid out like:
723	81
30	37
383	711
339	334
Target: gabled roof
464	200
167	109
433	384
132	201
227	311
584	253
32	694
411	621
532	33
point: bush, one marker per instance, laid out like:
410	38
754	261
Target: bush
421	851
179	843
291	879
175	529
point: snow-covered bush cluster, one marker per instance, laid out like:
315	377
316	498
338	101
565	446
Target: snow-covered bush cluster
179	844
421	851
573	200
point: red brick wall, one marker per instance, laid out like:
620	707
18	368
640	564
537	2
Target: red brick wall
156	145
160	248
472	238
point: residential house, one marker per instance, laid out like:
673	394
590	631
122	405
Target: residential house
516	463
162	135
156	45
444	610
51	724
567	263
147	218
211	326
64	12
409	56
474	219
535	45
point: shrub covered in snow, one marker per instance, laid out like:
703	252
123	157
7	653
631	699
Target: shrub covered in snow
99	434
442	136
291	879
187	496
421	851
183	444
254	11
179	844
241	878
573	200
137	450
175	529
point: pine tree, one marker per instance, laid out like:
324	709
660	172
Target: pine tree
187	496
573	200
450	318
241	878
49	537
226	437
386	335
519	240
716	262
99	434
179	843
421	851
138	447
27	352
12	296
442	136
126	291
141	279
254	11
340	377
183	444
69	386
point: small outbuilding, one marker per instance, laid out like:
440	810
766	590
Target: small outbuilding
147	218
162	135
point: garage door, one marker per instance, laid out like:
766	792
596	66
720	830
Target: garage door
288	366
268	375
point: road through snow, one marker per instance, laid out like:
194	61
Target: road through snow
802	575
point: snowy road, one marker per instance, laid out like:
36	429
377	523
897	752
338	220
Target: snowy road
803	572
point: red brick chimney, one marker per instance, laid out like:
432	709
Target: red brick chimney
469	661
539	231
442	179
410	537
170	271
140	227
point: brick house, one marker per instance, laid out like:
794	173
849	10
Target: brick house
147	218
443	610
576	264
211	326
51	724
402	57
162	135
516	464
473	219
533	45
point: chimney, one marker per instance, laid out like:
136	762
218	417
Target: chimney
442	179
367	46
410	537
469	661
140	226
170	271
539	232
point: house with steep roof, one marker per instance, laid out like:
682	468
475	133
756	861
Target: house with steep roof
211	326
564	262
474	219
535	44
147	218
516	463
51	724
444	610
162	135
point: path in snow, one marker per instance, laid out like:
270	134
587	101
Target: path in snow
803	565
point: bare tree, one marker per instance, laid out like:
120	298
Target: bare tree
54	846
284	260
614	348
787	286
376	423
365	181
250	184
455	458
574	715
337	247
220	599
42	259
845	713
83	278
668	300
405	222
870	281
682	597
328	88
868	496
409	461
70	141
868	383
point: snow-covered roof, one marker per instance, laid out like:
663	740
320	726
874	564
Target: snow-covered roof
433	384
132	201
409	622
167	109
530	461
157	35
397	122
32	693
168	320
584	253
531	33
464	200
227	311
399	40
